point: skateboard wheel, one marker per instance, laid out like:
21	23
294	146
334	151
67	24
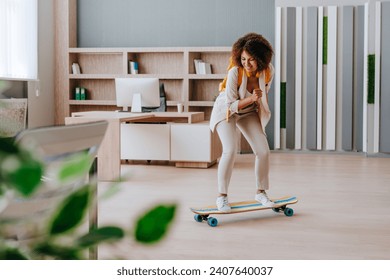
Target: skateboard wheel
277	210
198	218
288	212
213	222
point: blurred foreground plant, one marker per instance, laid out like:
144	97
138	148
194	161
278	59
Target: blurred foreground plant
65	235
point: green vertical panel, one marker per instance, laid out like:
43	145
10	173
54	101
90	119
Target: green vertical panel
283	105
371	79
325	41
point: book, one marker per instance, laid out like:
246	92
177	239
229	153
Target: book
204	68
77	93
196	64
133	66
76	68
83	94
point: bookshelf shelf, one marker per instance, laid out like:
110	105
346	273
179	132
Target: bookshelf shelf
201	103
94	76
113	76
206	77
92	102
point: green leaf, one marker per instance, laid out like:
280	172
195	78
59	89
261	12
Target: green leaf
11	254
71	212
57	252
8	146
27	177
152	226
77	166
114	189
18	168
99	235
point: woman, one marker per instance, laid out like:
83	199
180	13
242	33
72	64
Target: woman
243	103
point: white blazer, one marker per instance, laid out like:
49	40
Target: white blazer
229	98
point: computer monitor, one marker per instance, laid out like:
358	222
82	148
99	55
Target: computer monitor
137	92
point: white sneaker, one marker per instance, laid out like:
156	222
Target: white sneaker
223	204
263	199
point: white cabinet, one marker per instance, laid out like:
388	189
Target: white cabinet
145	141
194	145
188	145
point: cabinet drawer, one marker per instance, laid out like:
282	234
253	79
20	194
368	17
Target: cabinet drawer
191	142
145	141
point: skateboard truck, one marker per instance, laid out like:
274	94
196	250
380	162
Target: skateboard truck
213	222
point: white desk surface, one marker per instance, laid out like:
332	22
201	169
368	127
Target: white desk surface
192	117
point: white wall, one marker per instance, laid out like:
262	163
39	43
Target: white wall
41	93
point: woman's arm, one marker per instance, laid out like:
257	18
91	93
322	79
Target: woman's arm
256	94
232	96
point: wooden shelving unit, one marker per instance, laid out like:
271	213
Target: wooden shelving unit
173	66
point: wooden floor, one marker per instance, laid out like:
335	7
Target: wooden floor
343	210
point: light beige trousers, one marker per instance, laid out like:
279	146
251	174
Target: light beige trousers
250	127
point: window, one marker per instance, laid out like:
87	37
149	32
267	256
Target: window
18	39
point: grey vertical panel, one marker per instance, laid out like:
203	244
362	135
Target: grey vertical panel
347	78
311	78
359	79
384	129
270	127
271	96
290	79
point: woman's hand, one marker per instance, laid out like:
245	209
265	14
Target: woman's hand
254	98
256	94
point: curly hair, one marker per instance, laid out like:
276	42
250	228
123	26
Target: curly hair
256	46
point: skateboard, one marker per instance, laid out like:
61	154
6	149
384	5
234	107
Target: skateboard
203	213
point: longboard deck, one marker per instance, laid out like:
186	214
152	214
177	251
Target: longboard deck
245	206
